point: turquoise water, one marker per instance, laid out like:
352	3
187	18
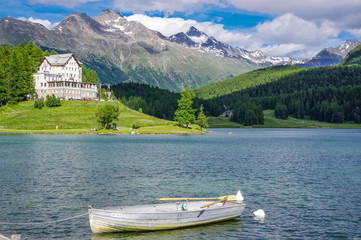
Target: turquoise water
307	181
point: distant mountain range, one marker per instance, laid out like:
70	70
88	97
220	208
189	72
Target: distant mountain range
127	51
196	39
330	56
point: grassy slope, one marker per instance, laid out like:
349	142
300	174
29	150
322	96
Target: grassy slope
246	80
222	122
270	121
77	117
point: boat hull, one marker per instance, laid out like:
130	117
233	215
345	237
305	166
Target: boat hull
161	216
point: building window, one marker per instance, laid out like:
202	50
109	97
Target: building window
44	84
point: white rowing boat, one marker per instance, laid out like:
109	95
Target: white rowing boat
184	212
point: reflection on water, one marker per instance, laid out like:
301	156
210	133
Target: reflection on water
222	230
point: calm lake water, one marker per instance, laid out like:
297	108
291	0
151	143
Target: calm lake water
307	181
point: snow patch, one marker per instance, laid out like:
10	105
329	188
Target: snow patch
201	39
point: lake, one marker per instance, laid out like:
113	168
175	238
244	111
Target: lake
308	181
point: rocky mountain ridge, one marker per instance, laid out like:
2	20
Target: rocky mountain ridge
330	56
196	39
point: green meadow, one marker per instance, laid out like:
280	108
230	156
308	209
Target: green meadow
270	121
79	117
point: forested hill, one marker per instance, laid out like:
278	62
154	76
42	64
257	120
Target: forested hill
148	99
246	80
157	102
353	57
331	94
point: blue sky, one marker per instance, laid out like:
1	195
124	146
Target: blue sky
292	28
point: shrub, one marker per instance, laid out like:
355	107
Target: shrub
52	101
39	103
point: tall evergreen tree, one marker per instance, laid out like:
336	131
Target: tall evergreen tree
202	119
185	112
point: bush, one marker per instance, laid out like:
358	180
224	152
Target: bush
52	101
39	103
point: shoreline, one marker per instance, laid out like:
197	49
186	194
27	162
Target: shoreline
103	132
130	132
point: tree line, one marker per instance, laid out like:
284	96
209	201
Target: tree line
330	94
158	102
17	64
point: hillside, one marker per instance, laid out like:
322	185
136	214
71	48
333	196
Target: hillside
329	94
244	81
23	117
354	57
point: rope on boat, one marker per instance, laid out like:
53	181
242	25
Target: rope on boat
48	222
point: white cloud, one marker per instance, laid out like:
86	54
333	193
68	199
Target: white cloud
283	49
45	23
341	12
167	6
356	32
289	29
309	9
66	3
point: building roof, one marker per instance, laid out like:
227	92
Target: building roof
60	59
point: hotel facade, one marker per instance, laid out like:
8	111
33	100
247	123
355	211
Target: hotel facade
61	75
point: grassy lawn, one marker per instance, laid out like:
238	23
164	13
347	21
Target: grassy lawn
222	122
270	121
79	117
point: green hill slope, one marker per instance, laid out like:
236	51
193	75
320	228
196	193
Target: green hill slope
330	94
78	117
246	80
353	57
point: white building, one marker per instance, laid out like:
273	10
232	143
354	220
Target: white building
61	75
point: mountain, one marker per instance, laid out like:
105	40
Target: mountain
195	39
331	56
353	57
126	51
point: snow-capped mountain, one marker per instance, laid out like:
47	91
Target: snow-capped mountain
345	48
331	56
196	39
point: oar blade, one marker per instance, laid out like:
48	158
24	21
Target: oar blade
228	198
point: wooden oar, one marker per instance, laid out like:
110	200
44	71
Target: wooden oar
219	201
228	198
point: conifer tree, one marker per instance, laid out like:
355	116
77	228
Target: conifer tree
185	112
202	119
